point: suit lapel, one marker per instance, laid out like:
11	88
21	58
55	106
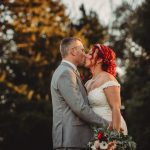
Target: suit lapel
81	81
75	71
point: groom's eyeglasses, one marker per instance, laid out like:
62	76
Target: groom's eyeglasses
81	48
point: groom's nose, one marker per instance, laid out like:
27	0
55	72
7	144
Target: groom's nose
83	54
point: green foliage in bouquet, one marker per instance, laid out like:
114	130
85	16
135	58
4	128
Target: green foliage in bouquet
104	139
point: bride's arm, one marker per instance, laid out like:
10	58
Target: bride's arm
113	96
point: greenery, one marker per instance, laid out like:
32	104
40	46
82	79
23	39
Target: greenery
121	141
135	50
30	35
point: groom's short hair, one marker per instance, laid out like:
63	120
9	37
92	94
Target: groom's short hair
65	44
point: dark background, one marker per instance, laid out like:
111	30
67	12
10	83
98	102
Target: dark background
30	34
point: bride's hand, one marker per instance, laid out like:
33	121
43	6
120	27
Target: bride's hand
121	130
110	126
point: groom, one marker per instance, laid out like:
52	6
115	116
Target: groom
72	115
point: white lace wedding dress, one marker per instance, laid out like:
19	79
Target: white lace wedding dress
99	104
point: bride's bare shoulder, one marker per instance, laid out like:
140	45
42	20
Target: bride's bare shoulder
107	77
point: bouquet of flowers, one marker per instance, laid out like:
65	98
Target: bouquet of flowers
111	140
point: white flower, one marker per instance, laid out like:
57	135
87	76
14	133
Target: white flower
96	145
103	145
93	147
89	144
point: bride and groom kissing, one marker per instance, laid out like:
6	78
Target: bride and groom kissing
76	109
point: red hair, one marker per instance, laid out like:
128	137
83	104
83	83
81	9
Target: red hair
108	57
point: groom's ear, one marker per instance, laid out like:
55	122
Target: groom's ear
73	52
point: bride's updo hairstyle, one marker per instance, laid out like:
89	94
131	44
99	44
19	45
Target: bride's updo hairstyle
108	57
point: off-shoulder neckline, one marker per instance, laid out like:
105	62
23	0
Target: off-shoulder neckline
103	85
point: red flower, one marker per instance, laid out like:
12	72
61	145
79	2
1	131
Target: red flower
100	135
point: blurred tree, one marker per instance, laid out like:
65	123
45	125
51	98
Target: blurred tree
36	29
140	26
29	53
119	33
137	82
136	95
132	44
29	41
89	28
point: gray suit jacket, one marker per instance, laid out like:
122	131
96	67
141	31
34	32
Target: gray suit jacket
72	115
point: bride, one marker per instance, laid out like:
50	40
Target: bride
103	88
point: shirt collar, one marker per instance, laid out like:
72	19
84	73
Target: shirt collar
70	63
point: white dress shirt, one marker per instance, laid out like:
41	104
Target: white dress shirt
72	65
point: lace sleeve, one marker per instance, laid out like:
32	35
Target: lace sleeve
110	83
